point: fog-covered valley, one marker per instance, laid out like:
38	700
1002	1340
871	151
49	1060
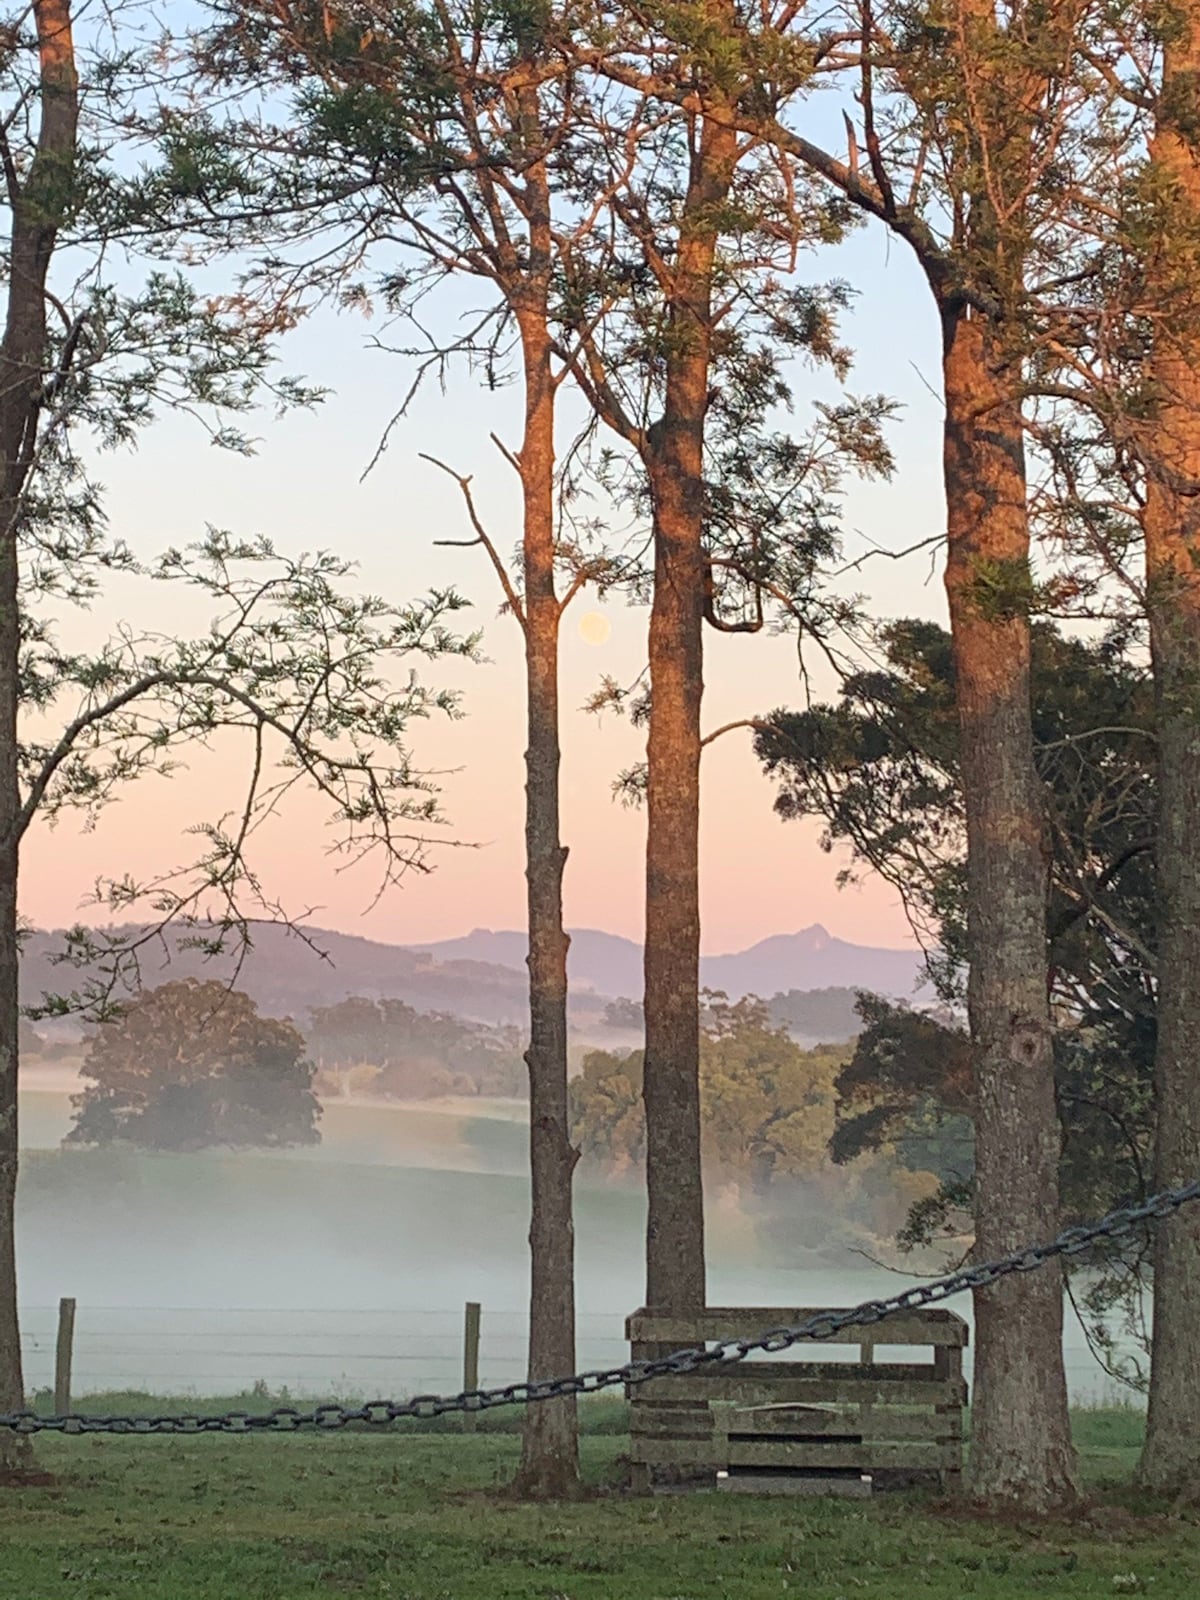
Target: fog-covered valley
343	1269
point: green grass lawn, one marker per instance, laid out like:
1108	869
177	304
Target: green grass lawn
422	1516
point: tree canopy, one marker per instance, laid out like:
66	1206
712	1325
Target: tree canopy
415	1054
880	768
191	1065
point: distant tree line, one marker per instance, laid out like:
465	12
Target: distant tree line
769	1120
825	1015
387	1048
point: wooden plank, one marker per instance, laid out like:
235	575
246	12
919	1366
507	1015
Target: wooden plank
769	1389
948	1363
812	1453
840	1487
787	1422
646	1452
694	1423
885	1376
889	1375
876	1424
725	1322
864	1457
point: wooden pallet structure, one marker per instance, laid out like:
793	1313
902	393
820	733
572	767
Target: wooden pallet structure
816	1422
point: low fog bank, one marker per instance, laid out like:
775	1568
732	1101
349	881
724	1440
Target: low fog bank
345	1269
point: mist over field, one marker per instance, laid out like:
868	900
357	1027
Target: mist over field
343	1269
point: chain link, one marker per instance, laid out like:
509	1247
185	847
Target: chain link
381	1413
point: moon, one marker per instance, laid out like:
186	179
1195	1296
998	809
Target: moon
594	627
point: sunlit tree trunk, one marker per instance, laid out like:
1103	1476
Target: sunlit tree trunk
550	1447
1021	1451
37	202
550	1439
675	1273
1171	1457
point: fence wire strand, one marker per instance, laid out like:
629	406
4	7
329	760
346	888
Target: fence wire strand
1117	1224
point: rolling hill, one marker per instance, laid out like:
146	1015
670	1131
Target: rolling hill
481	976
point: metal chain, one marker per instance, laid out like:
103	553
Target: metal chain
379	1413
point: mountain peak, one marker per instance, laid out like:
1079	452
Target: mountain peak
810	958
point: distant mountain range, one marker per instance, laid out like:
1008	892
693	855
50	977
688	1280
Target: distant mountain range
482	976
610	965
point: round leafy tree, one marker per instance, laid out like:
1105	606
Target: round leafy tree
193	1064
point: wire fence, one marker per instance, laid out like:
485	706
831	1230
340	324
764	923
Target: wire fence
322	1352
307	1351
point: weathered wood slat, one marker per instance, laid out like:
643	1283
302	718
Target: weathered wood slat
813	1453
876	1424
765	1390
696	1423
649	1452
889	1375
730	1322
807	1454
860	1415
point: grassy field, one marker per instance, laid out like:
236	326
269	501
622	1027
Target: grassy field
421	1517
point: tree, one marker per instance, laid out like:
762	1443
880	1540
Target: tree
1125	450
766	1104
418	1054
966	138
190	1065
881	768
828	1015
433	130
683	317
292	665
1171	450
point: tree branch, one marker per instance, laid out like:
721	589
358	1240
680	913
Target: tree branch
481	537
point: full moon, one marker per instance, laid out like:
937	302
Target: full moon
594	627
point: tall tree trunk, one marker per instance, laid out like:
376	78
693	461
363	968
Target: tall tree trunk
1021	1452
675	1275
1171	1457
36	209
550	1436
12	1385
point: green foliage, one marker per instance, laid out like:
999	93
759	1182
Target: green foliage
880	768
907	1086
766	1104
191	1065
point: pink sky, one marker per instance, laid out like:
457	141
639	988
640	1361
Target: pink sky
760	876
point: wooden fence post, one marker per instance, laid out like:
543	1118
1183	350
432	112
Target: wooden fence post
470	1359
62	1357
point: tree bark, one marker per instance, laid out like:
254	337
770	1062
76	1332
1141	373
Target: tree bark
36	209
675	1271
1171	1457
12	1383
550	1436
1021	1451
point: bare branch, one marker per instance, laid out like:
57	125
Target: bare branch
481	537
